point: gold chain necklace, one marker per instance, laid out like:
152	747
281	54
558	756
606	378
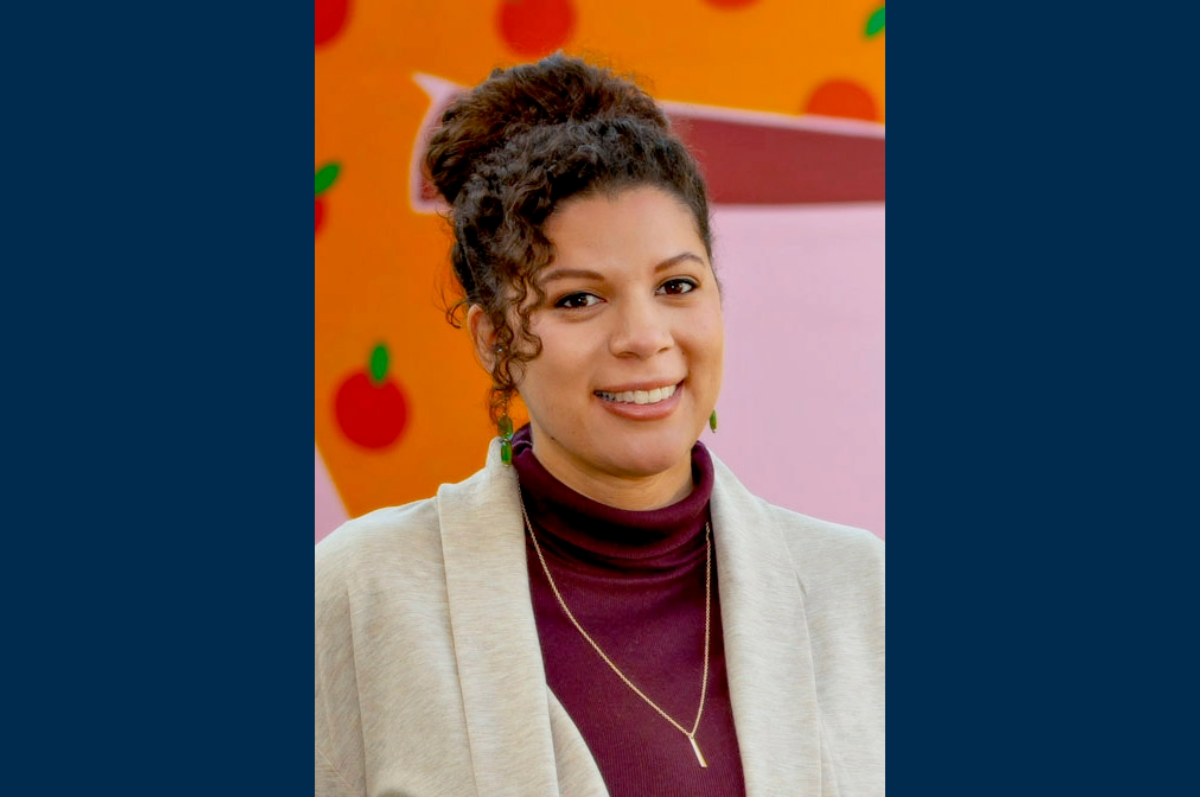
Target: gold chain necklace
691	735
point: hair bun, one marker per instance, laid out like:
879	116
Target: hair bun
556	90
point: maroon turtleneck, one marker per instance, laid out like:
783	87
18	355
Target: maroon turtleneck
635	582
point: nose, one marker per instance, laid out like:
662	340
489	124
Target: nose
642	329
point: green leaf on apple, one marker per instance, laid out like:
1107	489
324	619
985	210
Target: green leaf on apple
379	363
327	175
875	23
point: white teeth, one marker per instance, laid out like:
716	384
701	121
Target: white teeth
639	396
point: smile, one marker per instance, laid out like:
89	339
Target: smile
639	396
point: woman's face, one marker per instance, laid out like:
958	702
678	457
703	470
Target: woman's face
633	347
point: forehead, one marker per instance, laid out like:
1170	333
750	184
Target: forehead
626	227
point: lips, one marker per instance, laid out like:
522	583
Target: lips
623	402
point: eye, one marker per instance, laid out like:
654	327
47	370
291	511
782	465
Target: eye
677	286
574	301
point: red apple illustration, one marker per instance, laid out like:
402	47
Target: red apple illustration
535	27
326	176
370	407
331	18
842	98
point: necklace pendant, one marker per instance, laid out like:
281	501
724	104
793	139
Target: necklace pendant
699	756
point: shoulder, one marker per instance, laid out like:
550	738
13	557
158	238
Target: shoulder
824	553
841	574
842	563
375	531
397	545
372	553
832	544
379	532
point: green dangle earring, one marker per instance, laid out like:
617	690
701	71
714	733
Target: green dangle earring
505	427
712	421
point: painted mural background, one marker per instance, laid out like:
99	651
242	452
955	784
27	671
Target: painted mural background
783	103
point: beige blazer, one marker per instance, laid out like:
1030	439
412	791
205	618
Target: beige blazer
429	675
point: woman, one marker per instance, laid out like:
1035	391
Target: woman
603	609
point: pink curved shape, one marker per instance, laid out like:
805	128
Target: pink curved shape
330	512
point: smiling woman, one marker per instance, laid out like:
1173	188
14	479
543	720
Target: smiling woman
603	609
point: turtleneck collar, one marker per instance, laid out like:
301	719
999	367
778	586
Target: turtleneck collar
593	537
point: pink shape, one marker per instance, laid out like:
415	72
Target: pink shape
329	509
802	406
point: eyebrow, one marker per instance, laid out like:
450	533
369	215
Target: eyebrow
582	273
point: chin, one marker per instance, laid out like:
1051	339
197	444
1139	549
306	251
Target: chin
647	458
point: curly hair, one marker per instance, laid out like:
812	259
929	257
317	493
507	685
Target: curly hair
509	151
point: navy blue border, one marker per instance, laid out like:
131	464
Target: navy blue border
967	287
1040	367
157	305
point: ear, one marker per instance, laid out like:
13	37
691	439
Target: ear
483	336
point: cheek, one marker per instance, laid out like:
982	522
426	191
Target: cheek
566	347
707	334
556	377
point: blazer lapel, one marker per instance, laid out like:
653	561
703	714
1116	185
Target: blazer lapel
504	691
768	653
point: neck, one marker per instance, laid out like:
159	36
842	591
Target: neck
636	493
